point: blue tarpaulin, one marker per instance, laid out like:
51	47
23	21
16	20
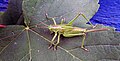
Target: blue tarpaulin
108	14
3	5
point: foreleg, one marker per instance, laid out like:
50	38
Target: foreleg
52	41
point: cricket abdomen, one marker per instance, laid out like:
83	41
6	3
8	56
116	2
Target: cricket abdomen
76	29
74	32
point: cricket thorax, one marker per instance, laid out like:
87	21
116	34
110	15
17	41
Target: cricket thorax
55	28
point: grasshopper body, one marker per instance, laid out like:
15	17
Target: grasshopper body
67	30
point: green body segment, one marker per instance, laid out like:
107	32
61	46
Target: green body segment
66	30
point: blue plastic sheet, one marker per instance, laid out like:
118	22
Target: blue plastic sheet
3	5
108	14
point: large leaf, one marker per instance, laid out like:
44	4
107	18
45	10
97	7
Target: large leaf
67	9
31	44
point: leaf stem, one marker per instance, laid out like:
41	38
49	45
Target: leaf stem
29	46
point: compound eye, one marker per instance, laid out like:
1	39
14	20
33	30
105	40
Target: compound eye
49	27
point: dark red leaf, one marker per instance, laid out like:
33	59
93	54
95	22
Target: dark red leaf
2	26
